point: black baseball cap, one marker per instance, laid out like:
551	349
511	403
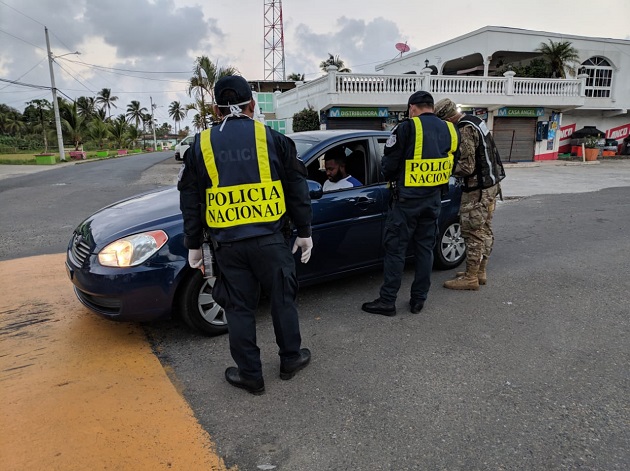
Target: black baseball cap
232	90
420	98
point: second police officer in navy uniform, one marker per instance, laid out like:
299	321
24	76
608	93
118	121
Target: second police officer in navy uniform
418	161
240	184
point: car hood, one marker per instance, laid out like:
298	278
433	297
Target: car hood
154	210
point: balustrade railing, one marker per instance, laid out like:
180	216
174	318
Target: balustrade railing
343	84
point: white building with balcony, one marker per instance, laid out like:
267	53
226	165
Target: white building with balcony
531	118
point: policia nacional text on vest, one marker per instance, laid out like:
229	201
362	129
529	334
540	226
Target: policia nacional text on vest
246	195
426	170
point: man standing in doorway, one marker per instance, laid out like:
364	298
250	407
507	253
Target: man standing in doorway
481	169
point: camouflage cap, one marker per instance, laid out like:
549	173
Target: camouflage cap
445	109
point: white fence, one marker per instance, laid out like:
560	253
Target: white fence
383	89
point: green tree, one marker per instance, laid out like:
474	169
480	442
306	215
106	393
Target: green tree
177	112
201	86
306	120
86	106
296	77
105	100
119	131
135	112
42	114
99	131
73	122
337	62
561	57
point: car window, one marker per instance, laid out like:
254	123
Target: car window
302	147
187	141
354	156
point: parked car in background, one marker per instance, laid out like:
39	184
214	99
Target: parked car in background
128	260
183	146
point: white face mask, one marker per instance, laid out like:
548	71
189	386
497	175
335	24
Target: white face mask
235	110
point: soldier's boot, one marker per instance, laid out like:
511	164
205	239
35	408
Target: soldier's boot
481	274
468	281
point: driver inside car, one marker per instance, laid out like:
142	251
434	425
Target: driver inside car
336	174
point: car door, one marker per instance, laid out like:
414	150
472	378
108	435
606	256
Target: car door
347	223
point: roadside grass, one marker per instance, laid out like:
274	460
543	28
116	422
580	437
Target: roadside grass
29	158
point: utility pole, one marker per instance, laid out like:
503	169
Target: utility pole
153	124
62	154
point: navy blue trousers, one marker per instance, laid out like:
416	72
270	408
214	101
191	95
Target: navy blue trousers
245	266
411	221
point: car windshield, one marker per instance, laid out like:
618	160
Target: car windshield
303	146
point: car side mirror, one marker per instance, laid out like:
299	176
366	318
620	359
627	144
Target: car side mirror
315	190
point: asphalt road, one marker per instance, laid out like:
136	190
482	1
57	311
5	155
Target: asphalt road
39	211
531	372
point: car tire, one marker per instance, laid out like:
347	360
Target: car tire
197	307
178	156
450	249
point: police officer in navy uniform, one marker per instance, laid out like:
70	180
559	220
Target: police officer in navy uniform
240	184
418	161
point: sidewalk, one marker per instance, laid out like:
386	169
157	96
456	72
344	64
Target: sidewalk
556	177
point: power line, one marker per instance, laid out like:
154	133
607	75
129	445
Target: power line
23	14
129	70
25	73
109	71
76	79
30	85
20	39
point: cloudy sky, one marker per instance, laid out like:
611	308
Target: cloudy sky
146	48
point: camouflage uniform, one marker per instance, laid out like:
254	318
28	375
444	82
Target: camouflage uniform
477	206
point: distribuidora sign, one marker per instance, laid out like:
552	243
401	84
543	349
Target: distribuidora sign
341	112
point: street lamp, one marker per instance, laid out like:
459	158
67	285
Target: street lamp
62	154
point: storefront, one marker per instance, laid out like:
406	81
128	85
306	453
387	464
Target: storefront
514	131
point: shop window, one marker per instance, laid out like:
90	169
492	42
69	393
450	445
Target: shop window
599	80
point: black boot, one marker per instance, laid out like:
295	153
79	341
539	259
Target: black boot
378	306
254	386
289	368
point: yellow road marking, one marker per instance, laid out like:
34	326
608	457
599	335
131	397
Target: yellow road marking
79	392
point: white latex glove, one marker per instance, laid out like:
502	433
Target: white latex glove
306	244
195	258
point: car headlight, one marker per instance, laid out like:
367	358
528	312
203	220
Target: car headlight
132	250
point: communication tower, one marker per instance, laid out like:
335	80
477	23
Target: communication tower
274	41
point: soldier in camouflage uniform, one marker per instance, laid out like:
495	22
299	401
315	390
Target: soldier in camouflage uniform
481	169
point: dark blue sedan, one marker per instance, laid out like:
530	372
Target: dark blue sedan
128	261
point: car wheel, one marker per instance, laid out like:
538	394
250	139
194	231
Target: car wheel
177	156
450	249
198	308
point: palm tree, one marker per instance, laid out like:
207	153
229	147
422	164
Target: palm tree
177	112
99	131
337	62
73	122
561	57
105	99
296	77
86	106
118	131
206	75
146	119
135	112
